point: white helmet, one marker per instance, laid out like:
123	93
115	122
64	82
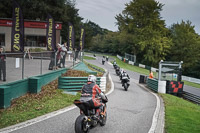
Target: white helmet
91	78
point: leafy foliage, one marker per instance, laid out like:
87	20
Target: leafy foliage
140	21
186	47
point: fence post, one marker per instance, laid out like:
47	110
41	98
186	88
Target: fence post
55	60
41	54
23	65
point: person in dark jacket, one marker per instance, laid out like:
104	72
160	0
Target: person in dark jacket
2	64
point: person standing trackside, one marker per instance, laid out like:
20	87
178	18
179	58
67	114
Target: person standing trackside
151	75
63	54
2	64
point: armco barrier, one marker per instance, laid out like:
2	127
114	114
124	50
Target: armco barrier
19	88
76	83
191	97
152	84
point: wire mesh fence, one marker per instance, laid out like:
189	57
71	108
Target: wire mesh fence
24	65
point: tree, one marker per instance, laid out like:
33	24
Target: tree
92	29
141	21
186	46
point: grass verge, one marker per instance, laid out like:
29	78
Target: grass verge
88	58
31	106
181	116
99	74
191	84
131	67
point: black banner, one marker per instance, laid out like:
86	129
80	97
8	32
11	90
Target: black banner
51	33
70	37
82	38
17	37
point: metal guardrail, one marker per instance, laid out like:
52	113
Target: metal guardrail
191	97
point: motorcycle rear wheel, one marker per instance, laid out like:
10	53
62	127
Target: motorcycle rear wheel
80	125
125	86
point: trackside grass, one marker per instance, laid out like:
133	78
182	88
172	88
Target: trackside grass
191	84
88	58
31	106
181	116
99	74
131	67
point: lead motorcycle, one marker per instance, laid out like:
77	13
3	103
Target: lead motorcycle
125	83
88	118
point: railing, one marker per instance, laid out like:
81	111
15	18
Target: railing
191	97
76	83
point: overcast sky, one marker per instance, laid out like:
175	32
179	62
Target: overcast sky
103	12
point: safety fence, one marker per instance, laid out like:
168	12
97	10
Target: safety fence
191	97
27	64
30	85
76	83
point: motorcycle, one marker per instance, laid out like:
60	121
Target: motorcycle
117	70
88	118
103	62
125	83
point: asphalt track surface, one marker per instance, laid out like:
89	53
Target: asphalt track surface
128	111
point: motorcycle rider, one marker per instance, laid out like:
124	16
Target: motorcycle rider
114	63
121	72
124	76
90	92
103	60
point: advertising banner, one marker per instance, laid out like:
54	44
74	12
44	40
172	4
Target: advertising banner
51	34
70	37
17	37
82	38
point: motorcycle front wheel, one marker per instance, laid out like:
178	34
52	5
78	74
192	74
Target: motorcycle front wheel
81	125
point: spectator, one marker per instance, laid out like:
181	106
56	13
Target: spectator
151	75
63	54
58	56
2	64
28	51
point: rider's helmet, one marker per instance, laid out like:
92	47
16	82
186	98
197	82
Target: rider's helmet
92	78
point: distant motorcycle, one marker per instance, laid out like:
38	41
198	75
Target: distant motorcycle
117	70
125	83
103	62
87	118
